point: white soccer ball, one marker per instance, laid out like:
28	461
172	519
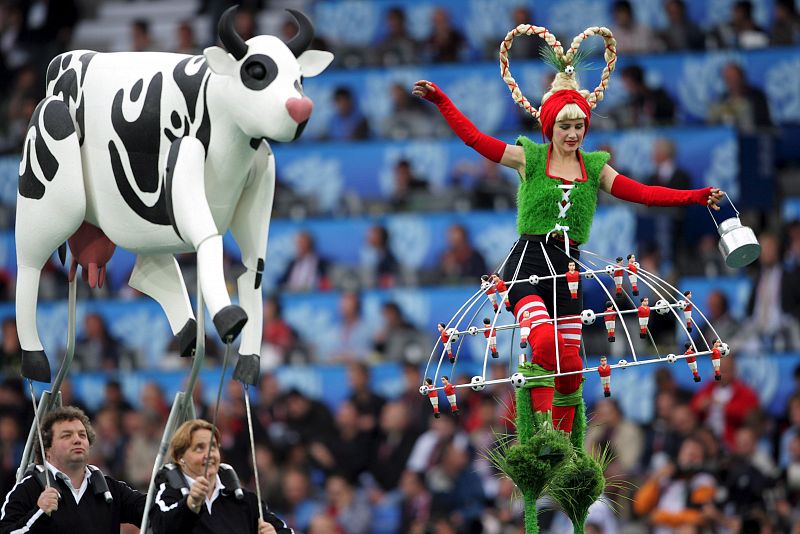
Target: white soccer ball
671	358
533	279
472	330
623	363
682	304
662	307
423	389
724	349
609	269
588	275
518	380
588	317
452	333
477	383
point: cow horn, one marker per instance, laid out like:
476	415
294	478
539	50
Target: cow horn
305	33
231	40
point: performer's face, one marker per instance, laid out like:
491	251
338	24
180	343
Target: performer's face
568	135
194	459
70	447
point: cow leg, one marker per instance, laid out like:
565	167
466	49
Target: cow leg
159	277
194	223
51	204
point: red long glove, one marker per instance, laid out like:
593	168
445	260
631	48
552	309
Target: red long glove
654	195
486	145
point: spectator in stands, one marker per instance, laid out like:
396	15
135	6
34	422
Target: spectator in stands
718	313
608	427
297	506
487	186
111	444
350	449
185	37
445	44
742	106
114	399
672	499
460	262
397	47
12	53
456	490
246	23
746	481
632	38
154	400
785	24
705	259
523	48
278	337
47	28
429	447
348	507
98	349
310	420
667	174
416	503
408	119
141	39
791	270
643	106
17	109
379	267
409	189
350	339
347	123
307	271
397	340
740	32
680	32
790	433
724	405
11	355
367	403
145	429
396	437
12	446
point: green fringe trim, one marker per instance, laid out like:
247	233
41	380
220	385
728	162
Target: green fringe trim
568	399
534	370
578	435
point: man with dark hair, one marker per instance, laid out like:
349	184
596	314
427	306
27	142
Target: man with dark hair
53	497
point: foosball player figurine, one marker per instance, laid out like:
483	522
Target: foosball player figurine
643	312
633	269
450	393
716	355
604	370
618	272
692	361
491	335
502	289
573	279
433	396
611	320
687	311
489	290
448	343
525	329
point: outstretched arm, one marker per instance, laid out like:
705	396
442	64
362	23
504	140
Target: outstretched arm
624	188
487	146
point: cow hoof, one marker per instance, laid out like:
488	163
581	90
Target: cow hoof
247	369
229	321
187	339
35	365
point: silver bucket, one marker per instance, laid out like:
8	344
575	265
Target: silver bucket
737	243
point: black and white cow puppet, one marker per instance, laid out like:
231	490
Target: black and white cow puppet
160	154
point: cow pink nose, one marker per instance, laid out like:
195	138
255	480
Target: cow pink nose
299	108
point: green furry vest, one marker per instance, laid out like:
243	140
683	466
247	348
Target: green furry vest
538	196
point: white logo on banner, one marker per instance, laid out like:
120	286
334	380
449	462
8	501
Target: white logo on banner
782	86
148	332
348	22
489	19
633	151
761	373
723	171
482	99
410	239
317	177
429	162
314	323
494	242
613	232
280	251
415	306
569	17
701	83
380	83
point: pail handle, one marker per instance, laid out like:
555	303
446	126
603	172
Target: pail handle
711	213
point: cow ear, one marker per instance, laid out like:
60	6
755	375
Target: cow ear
313	62
220	61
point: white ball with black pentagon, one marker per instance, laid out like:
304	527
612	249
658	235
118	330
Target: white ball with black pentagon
662	307
518	380
588	317
724	349
588	275
622	363
423	390
609	269
682	304
472	330
533	279
671	358
452	333
477	383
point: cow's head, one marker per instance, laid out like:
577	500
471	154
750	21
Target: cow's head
264	78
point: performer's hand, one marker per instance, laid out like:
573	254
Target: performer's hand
265	528
427	90
714	197
197	494
48	500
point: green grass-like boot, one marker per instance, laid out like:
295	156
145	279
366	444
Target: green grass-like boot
576	485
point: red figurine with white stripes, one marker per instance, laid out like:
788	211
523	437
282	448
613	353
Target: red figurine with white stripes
525	328
433	396
491	336
687	311
573	279
716	355
692	361
447	340
604	370
633	270
450	393
489	290
618	272
610	320
643	312
502	289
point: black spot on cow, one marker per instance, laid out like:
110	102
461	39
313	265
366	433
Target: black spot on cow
57	121
204	131
65	59
79	117
85	59
255	142
136	90
157	213
140	138
190	84
47	161
172	137
172	160
176	120
29	186
259	272
67	86
52	71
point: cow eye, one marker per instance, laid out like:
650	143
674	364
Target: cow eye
258	72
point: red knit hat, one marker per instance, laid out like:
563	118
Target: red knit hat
553	105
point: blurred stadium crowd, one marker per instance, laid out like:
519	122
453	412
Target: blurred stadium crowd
710	459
